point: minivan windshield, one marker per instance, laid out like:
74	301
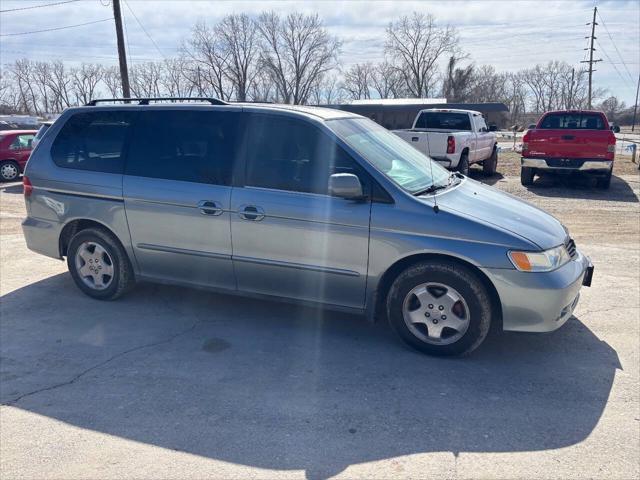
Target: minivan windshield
391	155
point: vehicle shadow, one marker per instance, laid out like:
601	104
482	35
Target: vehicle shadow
477	174
583	187
279	386
11	187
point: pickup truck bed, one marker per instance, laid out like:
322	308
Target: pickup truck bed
460	138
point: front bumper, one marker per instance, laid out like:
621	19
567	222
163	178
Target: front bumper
568	164
540	302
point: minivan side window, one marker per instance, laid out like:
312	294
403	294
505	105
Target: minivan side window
93	141
184	145
293	155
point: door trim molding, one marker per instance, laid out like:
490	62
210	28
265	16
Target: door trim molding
297	266
183	251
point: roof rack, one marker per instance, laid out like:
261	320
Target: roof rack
145	101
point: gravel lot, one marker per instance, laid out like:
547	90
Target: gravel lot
177	383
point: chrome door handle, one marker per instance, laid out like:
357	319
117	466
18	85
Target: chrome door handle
251	212
207	207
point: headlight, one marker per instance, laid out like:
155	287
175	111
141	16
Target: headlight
540	261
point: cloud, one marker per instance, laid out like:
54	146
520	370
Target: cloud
509	35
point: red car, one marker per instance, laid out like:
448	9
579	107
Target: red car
567	142
15	148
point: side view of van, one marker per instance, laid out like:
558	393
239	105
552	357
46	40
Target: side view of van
308	204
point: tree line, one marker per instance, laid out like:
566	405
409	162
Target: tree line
294	59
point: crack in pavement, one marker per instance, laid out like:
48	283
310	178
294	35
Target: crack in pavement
101	364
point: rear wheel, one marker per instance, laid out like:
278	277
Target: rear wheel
604	182
526	175
463	164
440	308
99	265
9	171
490	165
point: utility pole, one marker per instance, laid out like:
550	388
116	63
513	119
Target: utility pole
591	61
635	106
122	55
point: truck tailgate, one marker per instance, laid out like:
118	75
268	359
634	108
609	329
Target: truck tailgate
563	143
418	140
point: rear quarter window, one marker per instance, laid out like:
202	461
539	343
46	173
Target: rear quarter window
573	121
93	141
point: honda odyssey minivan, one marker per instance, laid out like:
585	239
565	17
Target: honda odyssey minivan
308	204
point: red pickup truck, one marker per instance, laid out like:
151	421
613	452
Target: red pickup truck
567	142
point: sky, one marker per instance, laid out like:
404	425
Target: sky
510	35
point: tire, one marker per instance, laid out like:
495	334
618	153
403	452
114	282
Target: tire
490	165
526	175
604	182
96	248
463	164
9	171
464	298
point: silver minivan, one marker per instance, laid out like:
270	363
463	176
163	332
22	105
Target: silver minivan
308	204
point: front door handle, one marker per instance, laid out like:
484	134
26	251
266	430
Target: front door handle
207	207
251	212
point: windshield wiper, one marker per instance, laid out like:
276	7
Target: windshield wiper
435	187
430	189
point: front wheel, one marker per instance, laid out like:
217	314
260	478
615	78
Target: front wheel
99	265
440	308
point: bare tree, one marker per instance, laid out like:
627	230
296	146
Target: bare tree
417	44
387	80
238	38
210	62
612	107
111	79
458	81
85	80
296	51
22	75
146	79
358	81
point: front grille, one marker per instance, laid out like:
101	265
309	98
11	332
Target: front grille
571	247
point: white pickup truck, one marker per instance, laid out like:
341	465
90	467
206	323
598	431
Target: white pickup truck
455	138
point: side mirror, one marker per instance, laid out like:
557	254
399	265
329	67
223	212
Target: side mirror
615	128
345	185
493	128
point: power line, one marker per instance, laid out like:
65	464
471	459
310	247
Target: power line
54	29
615	46
37	6
144	29
622	77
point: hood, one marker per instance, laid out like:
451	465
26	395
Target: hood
489	205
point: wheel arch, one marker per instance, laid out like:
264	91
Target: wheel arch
385	282
76	225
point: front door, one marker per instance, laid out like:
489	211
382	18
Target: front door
289	237
177	191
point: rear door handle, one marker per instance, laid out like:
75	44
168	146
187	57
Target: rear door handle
568	137
251	212
207	207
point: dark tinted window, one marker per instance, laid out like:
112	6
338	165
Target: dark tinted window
191	146
93	141
444	120
573	121
290	154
